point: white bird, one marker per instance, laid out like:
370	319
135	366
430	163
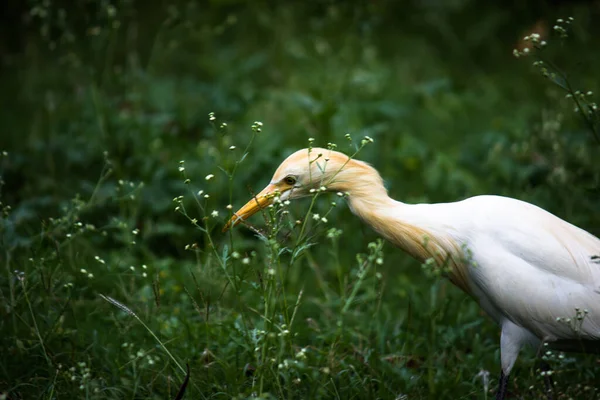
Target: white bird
536	275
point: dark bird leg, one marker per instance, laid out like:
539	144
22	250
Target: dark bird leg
502	386
548	381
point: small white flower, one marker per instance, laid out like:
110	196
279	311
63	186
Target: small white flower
90	275
271	271
257	126
229	206
324	220
83	271
144	274
214	214
316	217
209	177
181	168
231	147
206	196
246	260
132	268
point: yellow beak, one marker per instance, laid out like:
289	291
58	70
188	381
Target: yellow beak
260	201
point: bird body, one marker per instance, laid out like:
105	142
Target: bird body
533	273
528	269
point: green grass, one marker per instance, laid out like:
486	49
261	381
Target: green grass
116	273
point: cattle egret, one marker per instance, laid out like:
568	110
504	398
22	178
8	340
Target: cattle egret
533	273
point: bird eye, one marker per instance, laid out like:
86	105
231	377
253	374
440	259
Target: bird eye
290	180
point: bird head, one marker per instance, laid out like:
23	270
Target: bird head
302	171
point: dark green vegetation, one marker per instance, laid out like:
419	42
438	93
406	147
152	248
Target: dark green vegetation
100	103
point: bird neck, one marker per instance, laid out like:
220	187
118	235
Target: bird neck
413	228
393	220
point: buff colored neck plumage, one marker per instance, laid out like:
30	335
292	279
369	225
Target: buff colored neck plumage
406	226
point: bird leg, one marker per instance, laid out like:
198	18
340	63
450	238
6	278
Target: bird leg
548	381
502	386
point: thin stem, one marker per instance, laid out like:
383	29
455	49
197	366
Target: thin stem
123	307
569	89
37	330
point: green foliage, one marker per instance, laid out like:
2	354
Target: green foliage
133	131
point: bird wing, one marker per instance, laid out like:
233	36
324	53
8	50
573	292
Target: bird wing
534	268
